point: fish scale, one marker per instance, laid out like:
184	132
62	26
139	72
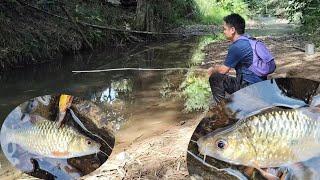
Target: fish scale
270	139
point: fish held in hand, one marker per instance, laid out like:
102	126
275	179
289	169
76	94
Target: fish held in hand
270	139
42	137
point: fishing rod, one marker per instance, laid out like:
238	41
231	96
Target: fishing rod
138	69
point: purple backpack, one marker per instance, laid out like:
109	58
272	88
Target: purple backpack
263	62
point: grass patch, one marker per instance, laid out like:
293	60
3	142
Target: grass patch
196	92
212	12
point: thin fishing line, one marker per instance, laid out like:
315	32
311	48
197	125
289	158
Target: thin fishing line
193	141
82	126
137	69
230	171
104	153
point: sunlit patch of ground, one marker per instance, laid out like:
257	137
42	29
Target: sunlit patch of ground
153	144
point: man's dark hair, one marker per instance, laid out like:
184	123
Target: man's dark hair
236	21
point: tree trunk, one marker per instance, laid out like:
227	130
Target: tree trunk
141	14
147	18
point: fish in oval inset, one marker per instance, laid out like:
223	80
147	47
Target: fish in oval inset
42	137
270	139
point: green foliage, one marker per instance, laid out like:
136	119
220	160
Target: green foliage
306	12
212	12
196	91
204	11
123	85
182	12
310	13
198	55
88	14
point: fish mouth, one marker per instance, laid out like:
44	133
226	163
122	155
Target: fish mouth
205	151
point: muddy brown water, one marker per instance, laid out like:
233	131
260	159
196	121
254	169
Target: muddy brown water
131	99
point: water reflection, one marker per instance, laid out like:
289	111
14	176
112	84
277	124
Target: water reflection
57	136
108	95
284	100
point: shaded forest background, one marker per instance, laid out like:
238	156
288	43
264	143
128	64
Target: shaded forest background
38	31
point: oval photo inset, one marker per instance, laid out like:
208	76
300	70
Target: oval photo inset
267	130
57	136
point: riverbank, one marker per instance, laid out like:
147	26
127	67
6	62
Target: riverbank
39	32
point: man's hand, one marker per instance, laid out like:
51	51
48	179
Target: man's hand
218	69
211	70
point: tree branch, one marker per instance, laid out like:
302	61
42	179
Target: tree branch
76	25
94	25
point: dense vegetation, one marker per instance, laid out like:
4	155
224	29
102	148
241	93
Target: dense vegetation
38	30
309	12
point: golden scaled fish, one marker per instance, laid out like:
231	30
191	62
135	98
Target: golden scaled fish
270	139
42	137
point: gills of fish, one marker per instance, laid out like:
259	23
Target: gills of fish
270	139
42	137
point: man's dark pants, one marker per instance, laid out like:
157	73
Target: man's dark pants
221	83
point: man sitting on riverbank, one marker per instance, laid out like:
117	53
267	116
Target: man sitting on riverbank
239	57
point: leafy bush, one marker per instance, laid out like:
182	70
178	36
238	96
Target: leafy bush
310	13
196	91
212	12
204	11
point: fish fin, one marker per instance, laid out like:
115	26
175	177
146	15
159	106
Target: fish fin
60	118
65	102
264	173
248	171
60	154
267	175
296	169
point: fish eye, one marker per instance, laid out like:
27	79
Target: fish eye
221	144
89	142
